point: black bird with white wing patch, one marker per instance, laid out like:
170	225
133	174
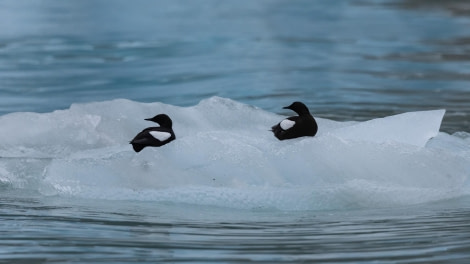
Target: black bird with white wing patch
154	136
296	126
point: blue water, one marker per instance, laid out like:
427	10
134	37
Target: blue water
66	190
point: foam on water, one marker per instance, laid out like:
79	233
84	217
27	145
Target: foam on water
225	155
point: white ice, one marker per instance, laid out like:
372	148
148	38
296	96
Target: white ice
414	128
225	155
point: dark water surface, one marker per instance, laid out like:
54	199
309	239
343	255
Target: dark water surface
347	60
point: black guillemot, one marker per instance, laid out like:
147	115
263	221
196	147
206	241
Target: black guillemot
296	126
154	136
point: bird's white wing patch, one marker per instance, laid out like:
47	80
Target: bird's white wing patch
162	136
286	124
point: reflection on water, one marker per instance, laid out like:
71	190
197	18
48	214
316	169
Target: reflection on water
347	60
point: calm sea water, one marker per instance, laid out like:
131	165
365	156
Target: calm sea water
40	230
347	60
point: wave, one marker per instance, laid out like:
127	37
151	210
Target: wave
225	155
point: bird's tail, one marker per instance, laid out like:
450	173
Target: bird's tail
137	147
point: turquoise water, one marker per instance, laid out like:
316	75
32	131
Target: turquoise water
72	190
347	60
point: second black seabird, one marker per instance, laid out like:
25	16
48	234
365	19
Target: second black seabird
154	136
296	126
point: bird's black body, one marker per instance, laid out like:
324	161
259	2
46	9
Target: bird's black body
145	137
302	125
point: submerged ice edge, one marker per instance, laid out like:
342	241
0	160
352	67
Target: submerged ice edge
225	156
353	194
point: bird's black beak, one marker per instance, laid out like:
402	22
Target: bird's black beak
148	119
286	107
